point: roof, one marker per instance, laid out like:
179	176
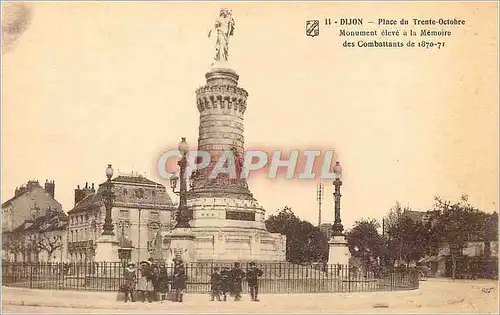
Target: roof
25	189
125	188
52	221
139	179
90	200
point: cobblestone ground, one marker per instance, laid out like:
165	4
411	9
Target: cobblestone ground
434	296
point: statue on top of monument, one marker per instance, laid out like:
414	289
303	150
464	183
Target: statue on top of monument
224	25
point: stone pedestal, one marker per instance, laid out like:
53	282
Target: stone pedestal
107	249
338	252
182	244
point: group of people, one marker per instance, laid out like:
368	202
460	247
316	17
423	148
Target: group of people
150	280
227	281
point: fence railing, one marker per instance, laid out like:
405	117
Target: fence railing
276	278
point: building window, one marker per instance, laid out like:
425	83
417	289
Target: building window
124	214
154	216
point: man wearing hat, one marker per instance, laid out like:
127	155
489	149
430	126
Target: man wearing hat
253	275
237	276
130	279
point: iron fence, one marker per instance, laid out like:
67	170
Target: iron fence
276	278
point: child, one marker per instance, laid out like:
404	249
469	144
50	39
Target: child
215	284
130	279
179	279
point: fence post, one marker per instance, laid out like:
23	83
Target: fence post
31	276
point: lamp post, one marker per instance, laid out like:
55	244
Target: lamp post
182	218
108	198
337	227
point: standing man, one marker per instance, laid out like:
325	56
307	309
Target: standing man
179	279
225	282
253	276
237	276
215	284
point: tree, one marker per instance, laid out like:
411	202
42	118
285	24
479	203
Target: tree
304	242
406	240
456	223
44	241
14	243
365	242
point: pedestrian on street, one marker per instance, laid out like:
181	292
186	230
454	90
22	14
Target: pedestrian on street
237	276
253	275
130	276
155	279
179	279
225	282
163	280
215	284
144	283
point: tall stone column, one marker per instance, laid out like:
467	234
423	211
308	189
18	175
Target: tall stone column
221	104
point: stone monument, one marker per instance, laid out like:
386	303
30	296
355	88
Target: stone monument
227	220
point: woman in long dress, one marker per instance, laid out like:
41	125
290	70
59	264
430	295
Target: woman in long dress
145	283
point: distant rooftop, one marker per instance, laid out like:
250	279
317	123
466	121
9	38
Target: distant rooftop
135	179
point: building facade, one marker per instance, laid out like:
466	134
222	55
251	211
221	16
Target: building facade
33	225
30	201
141	210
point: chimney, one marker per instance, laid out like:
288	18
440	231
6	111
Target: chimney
82	193
79	195
50	187
19	191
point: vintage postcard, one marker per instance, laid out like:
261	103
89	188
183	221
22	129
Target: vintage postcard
249	157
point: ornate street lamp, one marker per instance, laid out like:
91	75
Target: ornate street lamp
108	197
182	216
337	227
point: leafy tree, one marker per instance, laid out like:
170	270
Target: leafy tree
457	223
406	240
365	242
304	242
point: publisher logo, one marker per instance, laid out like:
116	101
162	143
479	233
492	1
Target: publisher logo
312	28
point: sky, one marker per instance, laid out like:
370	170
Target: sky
87	84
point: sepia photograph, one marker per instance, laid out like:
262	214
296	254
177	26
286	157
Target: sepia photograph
249	157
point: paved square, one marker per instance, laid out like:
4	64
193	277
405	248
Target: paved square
434	296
